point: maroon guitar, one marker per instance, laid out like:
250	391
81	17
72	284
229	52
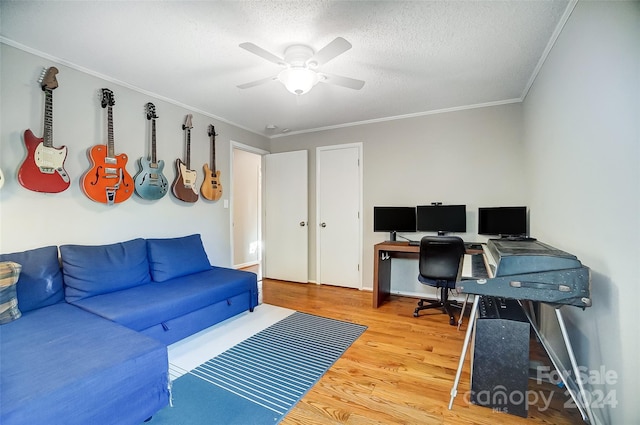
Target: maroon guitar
43	168
184	185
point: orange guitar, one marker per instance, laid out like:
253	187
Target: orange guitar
184	185
107	180
43	168
211	188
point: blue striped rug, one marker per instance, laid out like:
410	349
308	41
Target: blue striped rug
260	379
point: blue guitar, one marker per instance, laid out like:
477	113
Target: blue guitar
150	183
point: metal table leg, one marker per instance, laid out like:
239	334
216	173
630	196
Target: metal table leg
465	346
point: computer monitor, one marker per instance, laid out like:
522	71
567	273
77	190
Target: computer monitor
502	221
441	218
394	219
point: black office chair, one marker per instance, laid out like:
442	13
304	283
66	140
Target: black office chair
440	266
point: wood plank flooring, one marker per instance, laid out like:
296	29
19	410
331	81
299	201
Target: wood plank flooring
401	370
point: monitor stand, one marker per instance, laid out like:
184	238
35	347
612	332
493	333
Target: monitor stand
392	236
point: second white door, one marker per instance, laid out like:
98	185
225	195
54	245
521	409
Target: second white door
338	198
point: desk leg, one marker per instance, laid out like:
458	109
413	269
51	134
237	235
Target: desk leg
381	278
465	346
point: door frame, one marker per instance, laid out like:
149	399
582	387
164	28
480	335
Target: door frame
359	146
247	148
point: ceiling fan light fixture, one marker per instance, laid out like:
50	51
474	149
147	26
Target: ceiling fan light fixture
298	80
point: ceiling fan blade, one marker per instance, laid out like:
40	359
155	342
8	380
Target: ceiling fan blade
339	80
257	50
330	51
257	82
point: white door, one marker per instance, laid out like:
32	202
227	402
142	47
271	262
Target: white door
286	216
339	230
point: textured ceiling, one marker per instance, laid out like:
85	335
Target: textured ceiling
416	57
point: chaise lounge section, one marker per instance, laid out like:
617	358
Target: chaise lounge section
90	345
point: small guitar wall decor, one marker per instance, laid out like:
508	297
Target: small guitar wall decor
150	183
211	188
184	185
43	168
107	180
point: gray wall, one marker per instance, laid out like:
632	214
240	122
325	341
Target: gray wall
30	219
582	129
471	157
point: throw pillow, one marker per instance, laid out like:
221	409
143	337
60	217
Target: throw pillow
9	274
175	257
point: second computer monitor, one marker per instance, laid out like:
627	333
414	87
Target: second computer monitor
441	218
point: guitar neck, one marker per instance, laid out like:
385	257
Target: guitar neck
153	141
213	154
110	145
48	118
188	159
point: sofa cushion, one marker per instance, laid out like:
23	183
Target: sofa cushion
144	306
40	281
94	270
175	257
9	274
63	365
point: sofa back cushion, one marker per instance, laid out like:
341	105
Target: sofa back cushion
94	270
40	282
175	257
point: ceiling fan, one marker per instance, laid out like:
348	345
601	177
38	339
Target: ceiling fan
301	65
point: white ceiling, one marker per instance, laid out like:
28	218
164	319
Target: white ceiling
416	57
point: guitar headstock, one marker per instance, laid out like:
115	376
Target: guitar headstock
48	78
151	111
187	122
212	131
107	98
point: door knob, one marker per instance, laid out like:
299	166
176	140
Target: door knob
323	224
302	224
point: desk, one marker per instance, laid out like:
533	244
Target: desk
382	254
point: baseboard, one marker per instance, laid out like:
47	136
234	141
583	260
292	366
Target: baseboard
243	265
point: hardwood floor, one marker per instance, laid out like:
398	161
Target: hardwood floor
401	370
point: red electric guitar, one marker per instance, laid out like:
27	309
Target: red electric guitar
43	168
107	180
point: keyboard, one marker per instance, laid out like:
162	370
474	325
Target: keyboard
478	269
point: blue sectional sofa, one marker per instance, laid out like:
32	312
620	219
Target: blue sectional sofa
90	345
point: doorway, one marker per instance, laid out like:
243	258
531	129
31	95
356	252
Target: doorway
246	208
